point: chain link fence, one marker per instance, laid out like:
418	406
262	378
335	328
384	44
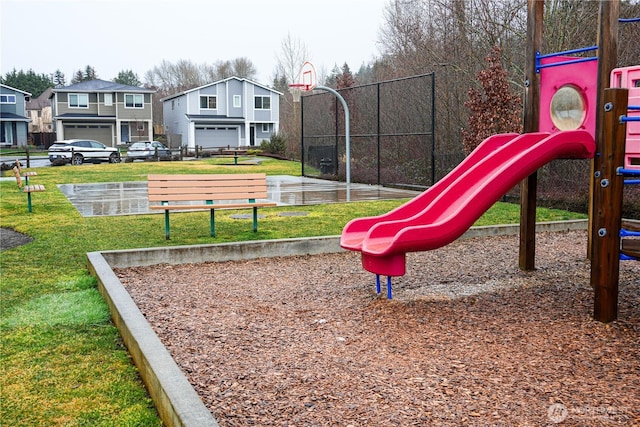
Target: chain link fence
391	133
393	143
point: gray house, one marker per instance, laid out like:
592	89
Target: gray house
233	112
13	116
108	112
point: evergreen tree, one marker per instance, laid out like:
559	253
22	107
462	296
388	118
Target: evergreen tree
90	73
77	77
27	81
128	77
58	79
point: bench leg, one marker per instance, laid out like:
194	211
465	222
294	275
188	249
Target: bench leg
212	222
29	201
255	219
166	224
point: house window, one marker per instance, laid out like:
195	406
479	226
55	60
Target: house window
173	105
108	99
208	102
78	100
133	101
7	99
265	127
237	101
263	103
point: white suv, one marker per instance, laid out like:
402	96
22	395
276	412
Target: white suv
76	151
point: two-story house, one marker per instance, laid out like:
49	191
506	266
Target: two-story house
39	111
233	112
13	116
108	112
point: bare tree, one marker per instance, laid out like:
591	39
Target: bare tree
451	38
169	78
244	68
293	53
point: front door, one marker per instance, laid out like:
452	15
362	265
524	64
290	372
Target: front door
124	132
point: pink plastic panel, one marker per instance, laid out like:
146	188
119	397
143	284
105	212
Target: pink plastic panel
629	77
583	76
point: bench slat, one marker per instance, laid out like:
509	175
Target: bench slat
181	197
207	184
214	206
205	177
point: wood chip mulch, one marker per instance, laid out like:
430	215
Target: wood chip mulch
468	338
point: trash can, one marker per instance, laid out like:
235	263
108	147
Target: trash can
326	166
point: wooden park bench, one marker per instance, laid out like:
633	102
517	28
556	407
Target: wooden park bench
211	191
24	174
25	187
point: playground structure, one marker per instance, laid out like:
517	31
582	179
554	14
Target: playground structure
580	119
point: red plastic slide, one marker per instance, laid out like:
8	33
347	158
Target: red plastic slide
443	213
356	230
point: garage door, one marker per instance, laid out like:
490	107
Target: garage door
216	136
100	133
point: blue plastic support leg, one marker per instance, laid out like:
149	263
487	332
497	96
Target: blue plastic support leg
377	283
389	296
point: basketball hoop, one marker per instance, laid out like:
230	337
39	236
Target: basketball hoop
296	91
307	81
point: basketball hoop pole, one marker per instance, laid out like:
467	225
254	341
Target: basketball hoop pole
308	81
346	134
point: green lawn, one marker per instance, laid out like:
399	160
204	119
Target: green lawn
62	360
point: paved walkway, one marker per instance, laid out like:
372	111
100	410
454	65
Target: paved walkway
127	198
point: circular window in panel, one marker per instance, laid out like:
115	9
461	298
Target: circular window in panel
568	109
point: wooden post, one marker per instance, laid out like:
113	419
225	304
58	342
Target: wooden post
528	187
605	209
607	206
607	42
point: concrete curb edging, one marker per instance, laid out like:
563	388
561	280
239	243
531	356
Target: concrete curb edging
175	399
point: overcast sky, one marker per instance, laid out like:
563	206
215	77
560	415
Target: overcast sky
116	35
